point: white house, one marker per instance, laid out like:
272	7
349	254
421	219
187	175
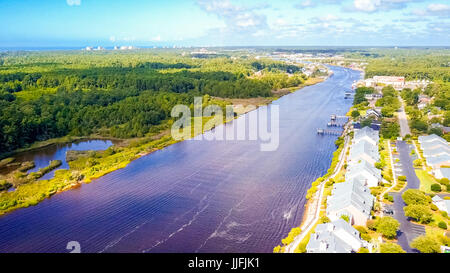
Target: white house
363	170
440	173
335	237
364	150
352	199
442	204
367	134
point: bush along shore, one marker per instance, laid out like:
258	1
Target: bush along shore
340	143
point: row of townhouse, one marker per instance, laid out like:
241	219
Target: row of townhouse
436	152
351	199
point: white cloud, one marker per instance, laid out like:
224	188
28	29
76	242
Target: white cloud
438	7
370	6
73	2
441	10
156	39
367	5
236	18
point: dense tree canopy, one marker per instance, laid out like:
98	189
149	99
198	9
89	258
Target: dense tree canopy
120	94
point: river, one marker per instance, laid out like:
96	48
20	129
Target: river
195	196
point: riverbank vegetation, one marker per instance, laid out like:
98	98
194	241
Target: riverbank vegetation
58	97
118	94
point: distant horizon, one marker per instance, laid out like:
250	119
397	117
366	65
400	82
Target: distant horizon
220	23
137	47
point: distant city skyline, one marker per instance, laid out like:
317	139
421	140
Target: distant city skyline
79	23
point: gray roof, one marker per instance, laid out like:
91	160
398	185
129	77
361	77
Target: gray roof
436	198
350	193
325	239
440	150
433	137
366	131
447	204
445	172
433	145
441	159
353	170
364	147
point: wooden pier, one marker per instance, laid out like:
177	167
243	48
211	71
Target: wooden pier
328	132
336	124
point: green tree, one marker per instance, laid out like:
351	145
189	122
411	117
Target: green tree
355	114
420	213
389	247
442	225
426	244
436	187
387	226
413	197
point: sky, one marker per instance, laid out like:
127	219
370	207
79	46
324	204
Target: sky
66	23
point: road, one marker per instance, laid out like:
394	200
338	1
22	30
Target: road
408	231
403	120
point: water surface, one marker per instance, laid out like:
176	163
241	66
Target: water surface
43	156
195	196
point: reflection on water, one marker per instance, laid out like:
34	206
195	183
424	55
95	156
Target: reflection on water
43	156
195	196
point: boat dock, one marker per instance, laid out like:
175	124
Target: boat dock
336	121
321	131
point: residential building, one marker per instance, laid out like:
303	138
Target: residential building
442	204
335	237
364	150
364	171
368	134
352	199
440	173
396	82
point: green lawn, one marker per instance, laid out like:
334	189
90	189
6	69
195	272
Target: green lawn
426	180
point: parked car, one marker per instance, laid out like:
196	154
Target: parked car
388	212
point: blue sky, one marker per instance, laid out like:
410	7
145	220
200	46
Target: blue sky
31	23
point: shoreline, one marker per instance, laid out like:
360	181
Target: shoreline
64	181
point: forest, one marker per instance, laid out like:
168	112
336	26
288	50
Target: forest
46	95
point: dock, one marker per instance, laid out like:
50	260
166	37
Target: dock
321	131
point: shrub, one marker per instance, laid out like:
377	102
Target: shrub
361	229
371	224
426	244
277	249
402	178
363	250
413	197
292	234
366	237
434	207
444	181
444	214
345	218
391	248
417	163
436	187
442	225
4	185
324	219
387	226
420	213
355	114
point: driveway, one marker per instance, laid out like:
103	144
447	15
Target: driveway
408	231
403	120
